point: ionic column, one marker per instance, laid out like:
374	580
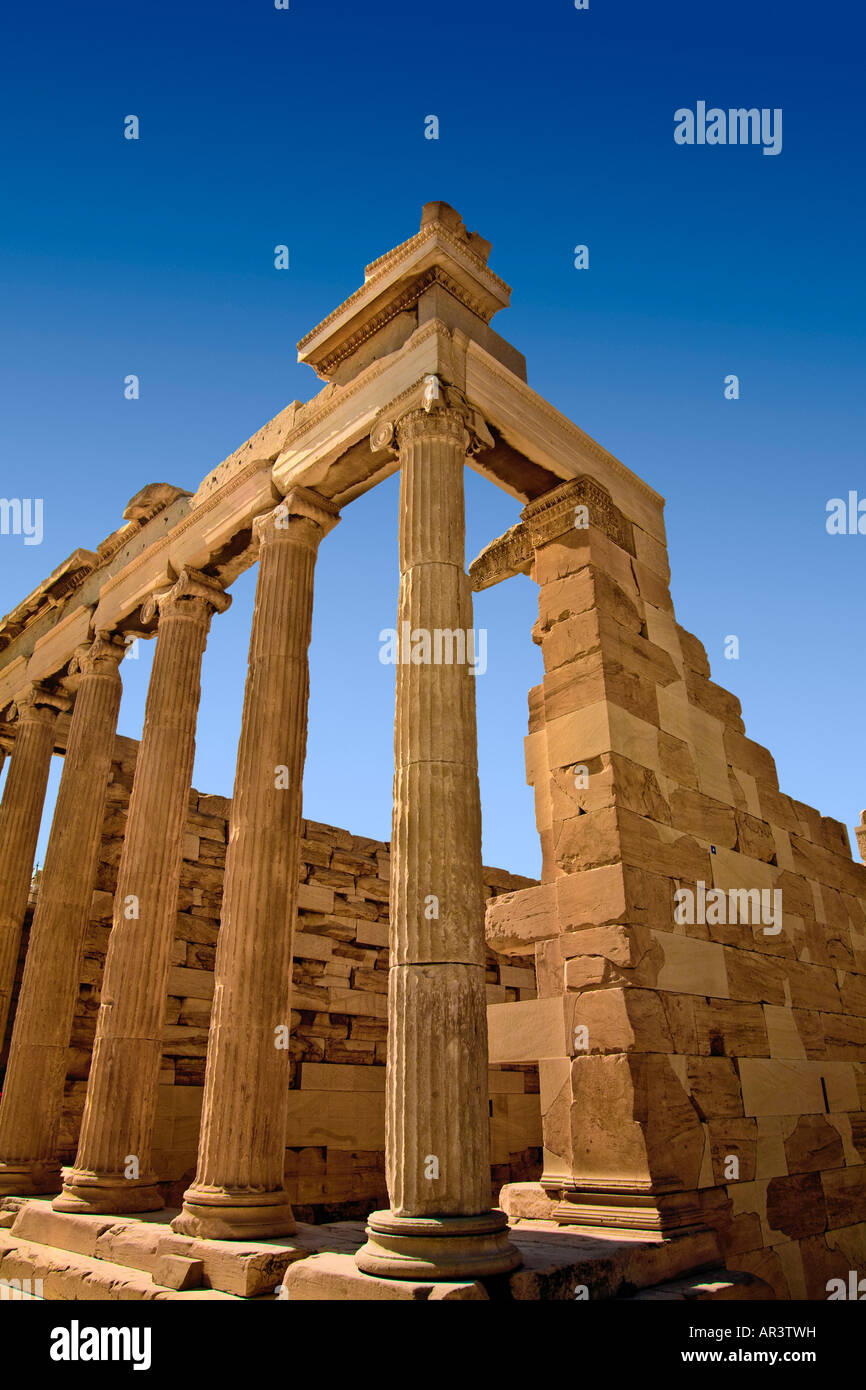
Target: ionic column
238	1191
112	1166
20	817
440	1224
32	1100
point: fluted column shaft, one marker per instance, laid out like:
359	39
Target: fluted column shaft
112	1166
437	1062
20	818
437	1124
238	1190
32	1100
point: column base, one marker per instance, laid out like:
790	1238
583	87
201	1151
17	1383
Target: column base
33	1178
224	1213
661	1214
95	1194
437	1247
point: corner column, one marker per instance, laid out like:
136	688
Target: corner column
33	1089
111	1172
238	1191
440	1224
20	818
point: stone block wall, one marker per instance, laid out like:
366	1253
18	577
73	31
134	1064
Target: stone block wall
336	1127
669	1047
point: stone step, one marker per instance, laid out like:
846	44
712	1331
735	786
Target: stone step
337	1279
712	1286
64	1276
244	1269
113	1257
566	1262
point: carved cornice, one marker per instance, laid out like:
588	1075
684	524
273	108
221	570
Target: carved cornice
379	271
435	228
544	520
553	514
52	593
508	555
404	301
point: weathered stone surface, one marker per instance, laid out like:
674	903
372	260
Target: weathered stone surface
556	1261
336	1278
20	816
33	1087
238	1189
737	1138
845	1196
727	1028
813	1145
527	1201
772	1087
796	1205
121	1094
436	1090
714	1086
177	1272
703	817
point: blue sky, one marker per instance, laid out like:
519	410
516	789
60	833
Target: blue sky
306	127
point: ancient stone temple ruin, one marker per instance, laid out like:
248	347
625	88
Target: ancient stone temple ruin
243	1057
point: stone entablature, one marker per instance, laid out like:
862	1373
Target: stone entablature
308	445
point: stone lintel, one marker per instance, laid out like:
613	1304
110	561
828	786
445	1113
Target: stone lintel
322	444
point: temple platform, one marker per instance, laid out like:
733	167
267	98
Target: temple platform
106	1258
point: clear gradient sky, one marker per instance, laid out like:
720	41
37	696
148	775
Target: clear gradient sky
306	127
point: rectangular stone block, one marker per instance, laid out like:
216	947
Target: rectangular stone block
336	1119
775	1087
731	1029
715	1086
315	898
317	1076
784	1036
526	1031
190	984
515	1125
337	1279
178	1272
754	977
690	966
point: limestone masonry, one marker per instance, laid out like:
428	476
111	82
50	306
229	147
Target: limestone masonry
644	1076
